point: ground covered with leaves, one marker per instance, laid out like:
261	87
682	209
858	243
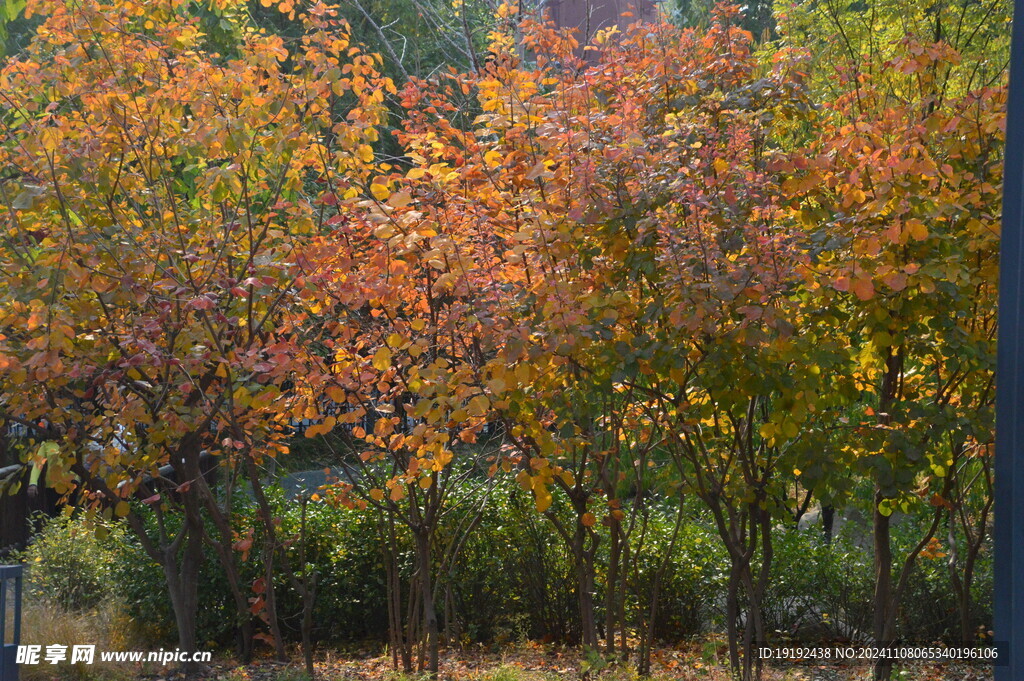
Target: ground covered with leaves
547	663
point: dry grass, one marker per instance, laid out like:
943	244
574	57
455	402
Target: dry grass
106	627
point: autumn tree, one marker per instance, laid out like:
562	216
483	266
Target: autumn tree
904	181
155	199
661	279
409	307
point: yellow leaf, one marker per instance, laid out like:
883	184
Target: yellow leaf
588	519
122	509
49	139
492	158
917	229
543	501
721	165
400	199
478	406
380	191
397	493
425	483
382	359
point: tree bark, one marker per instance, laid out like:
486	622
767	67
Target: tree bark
828	518
430	628
611	610
183	589
882	598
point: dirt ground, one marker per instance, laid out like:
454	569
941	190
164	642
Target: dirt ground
548	663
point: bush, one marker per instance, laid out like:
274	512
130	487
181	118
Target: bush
513	578
70	565
691	594
344	547
930	611
818	591
74	596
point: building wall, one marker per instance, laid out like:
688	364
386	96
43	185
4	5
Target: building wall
590	16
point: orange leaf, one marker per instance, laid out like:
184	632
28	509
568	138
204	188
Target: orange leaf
863	288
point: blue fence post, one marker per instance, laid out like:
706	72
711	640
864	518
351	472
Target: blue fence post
1008	533
10	576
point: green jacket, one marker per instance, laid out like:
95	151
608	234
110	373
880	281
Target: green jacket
46	451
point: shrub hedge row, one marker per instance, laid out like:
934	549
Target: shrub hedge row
512	580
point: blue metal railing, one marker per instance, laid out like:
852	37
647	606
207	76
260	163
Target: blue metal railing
10	580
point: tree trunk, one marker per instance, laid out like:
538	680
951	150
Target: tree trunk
828	517
882	599
308	600
588	620
430	628
757	594
225	552
611	589
183	589
648	628
273	623
399	643
732	612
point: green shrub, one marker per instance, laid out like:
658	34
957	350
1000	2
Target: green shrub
512	580
692	589
344	548
69	565
818	591
929	610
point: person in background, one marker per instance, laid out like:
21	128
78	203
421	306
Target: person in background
47	450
